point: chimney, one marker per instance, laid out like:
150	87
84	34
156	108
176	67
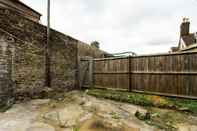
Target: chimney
185	27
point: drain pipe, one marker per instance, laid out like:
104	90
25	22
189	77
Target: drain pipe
47	49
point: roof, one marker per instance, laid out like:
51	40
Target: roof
189	39
194	46
20	2
174	49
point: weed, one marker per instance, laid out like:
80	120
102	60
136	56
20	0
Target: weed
147	100
115	115
75	129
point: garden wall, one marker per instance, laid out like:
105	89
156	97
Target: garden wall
24	41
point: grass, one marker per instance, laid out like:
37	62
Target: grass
191	105
163	119
5	104
75	129
115	115
146	100
4	108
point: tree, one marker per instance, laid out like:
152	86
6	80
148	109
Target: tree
95	44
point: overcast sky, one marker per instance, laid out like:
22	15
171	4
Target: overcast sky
142	26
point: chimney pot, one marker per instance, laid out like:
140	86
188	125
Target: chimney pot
185	27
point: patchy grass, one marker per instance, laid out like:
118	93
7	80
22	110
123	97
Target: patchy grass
4	108
166	119
183	104
147	100
76	129
6	104
169	120
115	115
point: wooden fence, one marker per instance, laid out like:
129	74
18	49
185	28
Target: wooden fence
165	74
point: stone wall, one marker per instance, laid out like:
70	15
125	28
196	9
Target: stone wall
63	61
6	57
29	38
26	42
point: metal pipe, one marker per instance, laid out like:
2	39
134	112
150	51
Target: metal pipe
47	66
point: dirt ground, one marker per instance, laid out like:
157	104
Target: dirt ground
78	111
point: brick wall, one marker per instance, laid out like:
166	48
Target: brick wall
6	83
29	59
26	40
22	9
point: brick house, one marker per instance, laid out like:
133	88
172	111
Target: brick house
21	8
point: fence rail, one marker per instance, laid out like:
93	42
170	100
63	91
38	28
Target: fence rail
173	74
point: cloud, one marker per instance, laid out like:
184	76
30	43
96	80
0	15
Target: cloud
143	26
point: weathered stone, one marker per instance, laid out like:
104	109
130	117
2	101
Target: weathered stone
186	127
22	56
40	127
29	116
52	116
66	117
40	102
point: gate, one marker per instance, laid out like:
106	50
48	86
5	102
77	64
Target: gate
85	72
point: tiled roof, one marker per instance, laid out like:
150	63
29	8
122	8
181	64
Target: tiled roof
189	39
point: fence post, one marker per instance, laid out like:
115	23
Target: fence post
91	84
130	82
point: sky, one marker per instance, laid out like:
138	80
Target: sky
141	26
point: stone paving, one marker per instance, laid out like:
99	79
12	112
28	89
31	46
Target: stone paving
76	112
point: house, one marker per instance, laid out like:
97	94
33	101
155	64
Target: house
21	8
187	41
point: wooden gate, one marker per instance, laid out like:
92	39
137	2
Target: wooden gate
85	75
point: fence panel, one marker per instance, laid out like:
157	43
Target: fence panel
111	73
171	74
